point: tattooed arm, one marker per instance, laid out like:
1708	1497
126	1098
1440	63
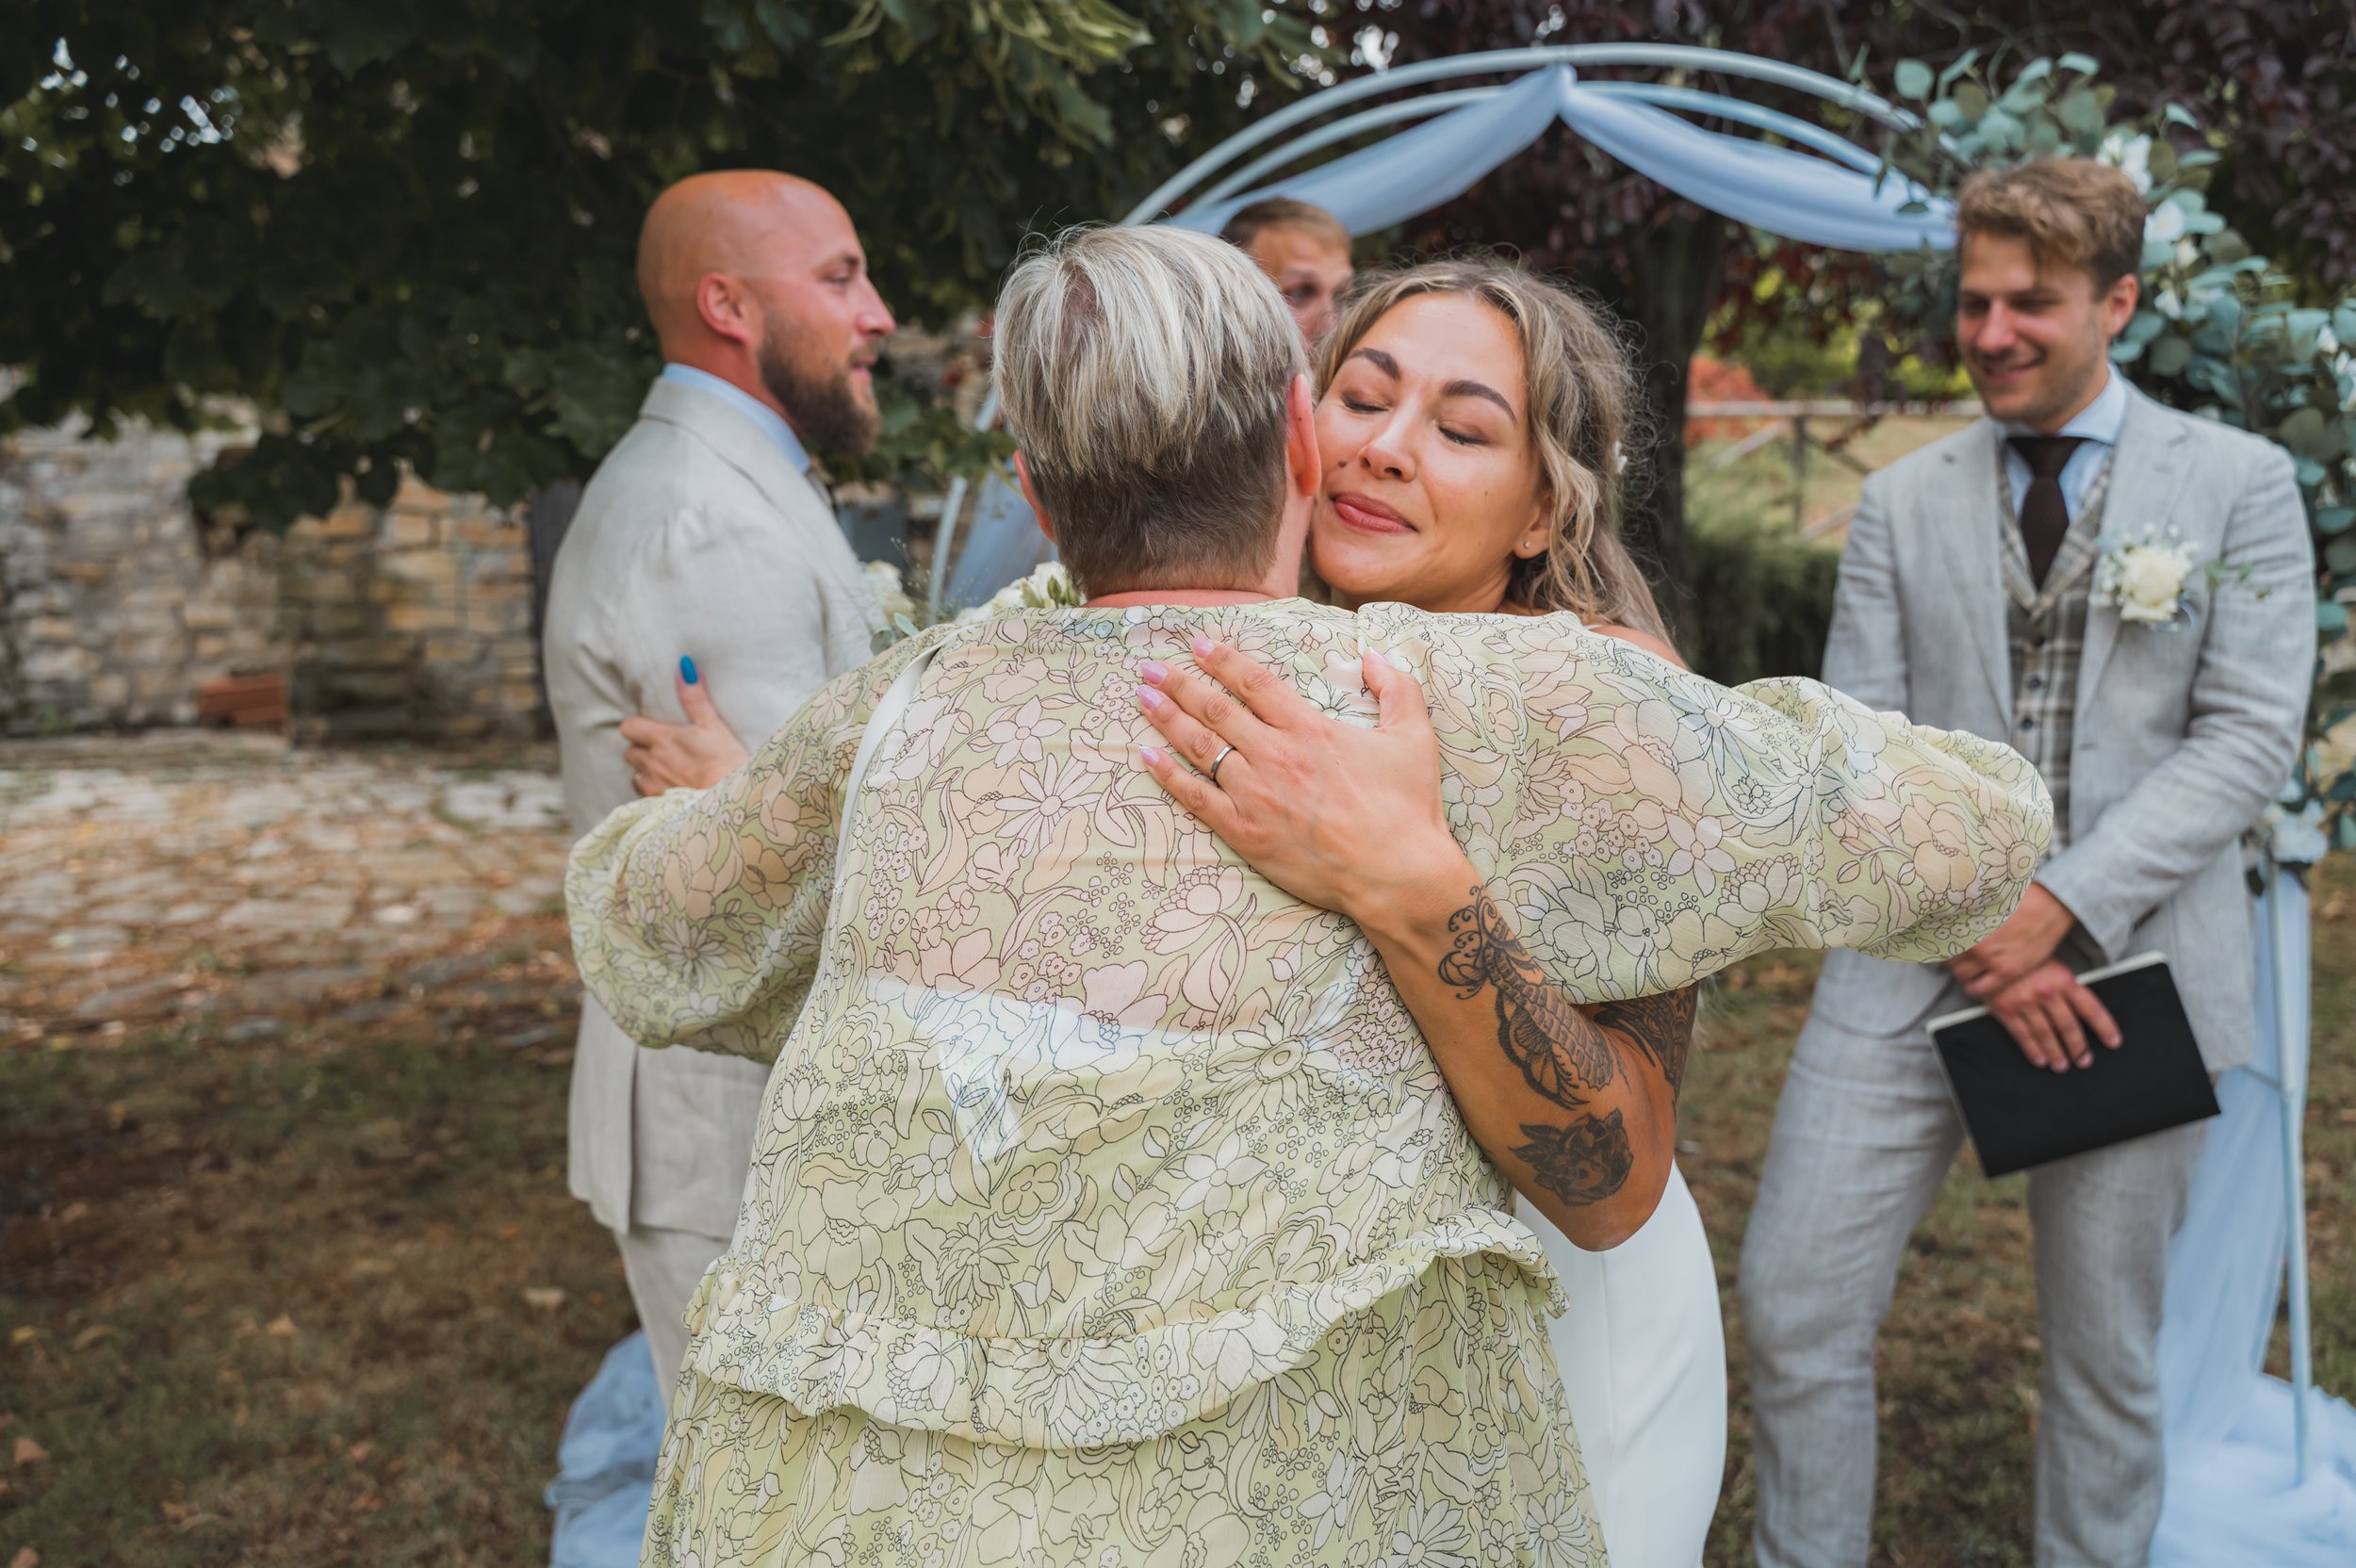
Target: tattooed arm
1576	1104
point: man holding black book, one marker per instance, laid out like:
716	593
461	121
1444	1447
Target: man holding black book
2122	593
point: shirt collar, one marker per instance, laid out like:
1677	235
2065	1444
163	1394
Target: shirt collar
2099	421
765	420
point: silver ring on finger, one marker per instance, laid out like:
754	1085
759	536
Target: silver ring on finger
1224	753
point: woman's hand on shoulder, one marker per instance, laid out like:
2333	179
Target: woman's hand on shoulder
691	756
1339	816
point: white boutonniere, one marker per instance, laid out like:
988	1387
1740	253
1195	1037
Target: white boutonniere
2145	578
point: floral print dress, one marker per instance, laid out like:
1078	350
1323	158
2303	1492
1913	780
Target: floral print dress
1109	1208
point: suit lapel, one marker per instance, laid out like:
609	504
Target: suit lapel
2145	471
1965	515
738	441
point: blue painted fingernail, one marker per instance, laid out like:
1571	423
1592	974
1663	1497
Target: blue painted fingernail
687	669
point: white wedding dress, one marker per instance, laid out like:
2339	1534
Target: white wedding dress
1643	1360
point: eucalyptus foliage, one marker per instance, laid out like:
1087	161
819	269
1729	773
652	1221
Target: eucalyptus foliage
2221	331
405	229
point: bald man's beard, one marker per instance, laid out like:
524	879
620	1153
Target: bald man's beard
826	408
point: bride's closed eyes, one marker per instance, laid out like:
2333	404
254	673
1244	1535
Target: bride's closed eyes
1462	437
1366	381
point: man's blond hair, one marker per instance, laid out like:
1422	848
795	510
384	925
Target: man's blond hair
1144	373
2072	212
1283	212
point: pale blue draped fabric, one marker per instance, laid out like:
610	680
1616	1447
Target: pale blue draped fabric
605	1462
1797	195
2234	1494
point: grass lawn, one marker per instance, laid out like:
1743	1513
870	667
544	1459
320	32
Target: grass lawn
292	1300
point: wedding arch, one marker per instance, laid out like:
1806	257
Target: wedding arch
1819	189
2235	1435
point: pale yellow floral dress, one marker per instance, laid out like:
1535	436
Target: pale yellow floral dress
1109	1208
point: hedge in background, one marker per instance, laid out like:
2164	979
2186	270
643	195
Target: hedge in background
1763	597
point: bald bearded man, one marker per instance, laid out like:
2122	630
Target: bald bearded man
703	550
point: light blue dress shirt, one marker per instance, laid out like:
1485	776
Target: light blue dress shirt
2099	422
766	419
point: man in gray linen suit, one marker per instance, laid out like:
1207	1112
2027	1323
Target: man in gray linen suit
1967	600
702	549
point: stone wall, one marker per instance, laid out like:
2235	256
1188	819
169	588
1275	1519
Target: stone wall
112	609
118	603
413	620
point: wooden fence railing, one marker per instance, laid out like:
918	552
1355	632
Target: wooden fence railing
1788	421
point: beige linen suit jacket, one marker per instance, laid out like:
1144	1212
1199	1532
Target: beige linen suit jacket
2183	733
696	536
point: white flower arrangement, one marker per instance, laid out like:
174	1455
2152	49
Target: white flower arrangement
2145	578
1050	587
2131	156
892	595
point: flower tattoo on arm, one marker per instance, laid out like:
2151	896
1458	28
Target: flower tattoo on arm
1585	1162
1562	1053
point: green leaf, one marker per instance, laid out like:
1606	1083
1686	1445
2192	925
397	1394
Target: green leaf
2334	519
2085	65
1956	67
2305	328
2082	113
2340	555
2169	356
1972	99
1912	79
2331	617
2309	434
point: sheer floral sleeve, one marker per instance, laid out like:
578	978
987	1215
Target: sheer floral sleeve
698	917
1653	828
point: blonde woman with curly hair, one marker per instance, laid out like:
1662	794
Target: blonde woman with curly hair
1471	422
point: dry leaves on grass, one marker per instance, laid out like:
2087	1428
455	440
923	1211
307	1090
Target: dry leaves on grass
30	1453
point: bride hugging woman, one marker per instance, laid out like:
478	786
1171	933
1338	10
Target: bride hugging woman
1116	1202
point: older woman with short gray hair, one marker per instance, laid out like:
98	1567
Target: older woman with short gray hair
1108	1206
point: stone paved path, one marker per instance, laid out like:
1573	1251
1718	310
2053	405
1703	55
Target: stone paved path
184	875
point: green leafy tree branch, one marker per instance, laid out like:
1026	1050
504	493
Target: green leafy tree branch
402	230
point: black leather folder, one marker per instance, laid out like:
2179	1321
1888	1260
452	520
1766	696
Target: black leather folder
2020	1116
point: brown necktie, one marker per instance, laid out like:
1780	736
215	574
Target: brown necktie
2044	514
